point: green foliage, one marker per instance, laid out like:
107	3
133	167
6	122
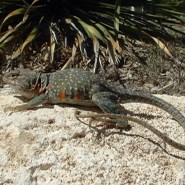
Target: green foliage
177	5
104	22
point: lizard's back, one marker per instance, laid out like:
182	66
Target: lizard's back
74	86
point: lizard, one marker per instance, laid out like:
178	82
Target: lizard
79	87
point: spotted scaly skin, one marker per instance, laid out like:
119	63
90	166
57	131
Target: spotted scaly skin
73	86
79	87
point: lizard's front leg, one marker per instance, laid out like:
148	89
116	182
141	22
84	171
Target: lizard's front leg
30	105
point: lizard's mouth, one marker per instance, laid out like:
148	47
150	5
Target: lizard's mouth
11	77
8	81
11	81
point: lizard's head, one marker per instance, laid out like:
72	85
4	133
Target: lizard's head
22	81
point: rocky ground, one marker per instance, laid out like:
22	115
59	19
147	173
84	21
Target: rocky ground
49	145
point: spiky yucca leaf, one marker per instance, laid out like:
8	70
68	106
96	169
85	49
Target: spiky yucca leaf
106	22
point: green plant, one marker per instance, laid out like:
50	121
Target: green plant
104	23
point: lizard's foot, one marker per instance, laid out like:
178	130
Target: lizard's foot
124	127
121	125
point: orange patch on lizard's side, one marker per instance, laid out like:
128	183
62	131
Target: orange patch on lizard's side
62	96
78	97
41	90
48	88
35	88
33	91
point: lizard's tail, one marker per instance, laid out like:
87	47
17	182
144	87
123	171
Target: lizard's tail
128	96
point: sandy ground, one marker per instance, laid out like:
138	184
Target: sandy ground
49	145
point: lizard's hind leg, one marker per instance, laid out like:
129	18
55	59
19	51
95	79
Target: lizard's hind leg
108	102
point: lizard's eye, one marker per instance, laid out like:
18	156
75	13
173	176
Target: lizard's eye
14	75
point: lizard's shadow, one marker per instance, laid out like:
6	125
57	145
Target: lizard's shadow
103	130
